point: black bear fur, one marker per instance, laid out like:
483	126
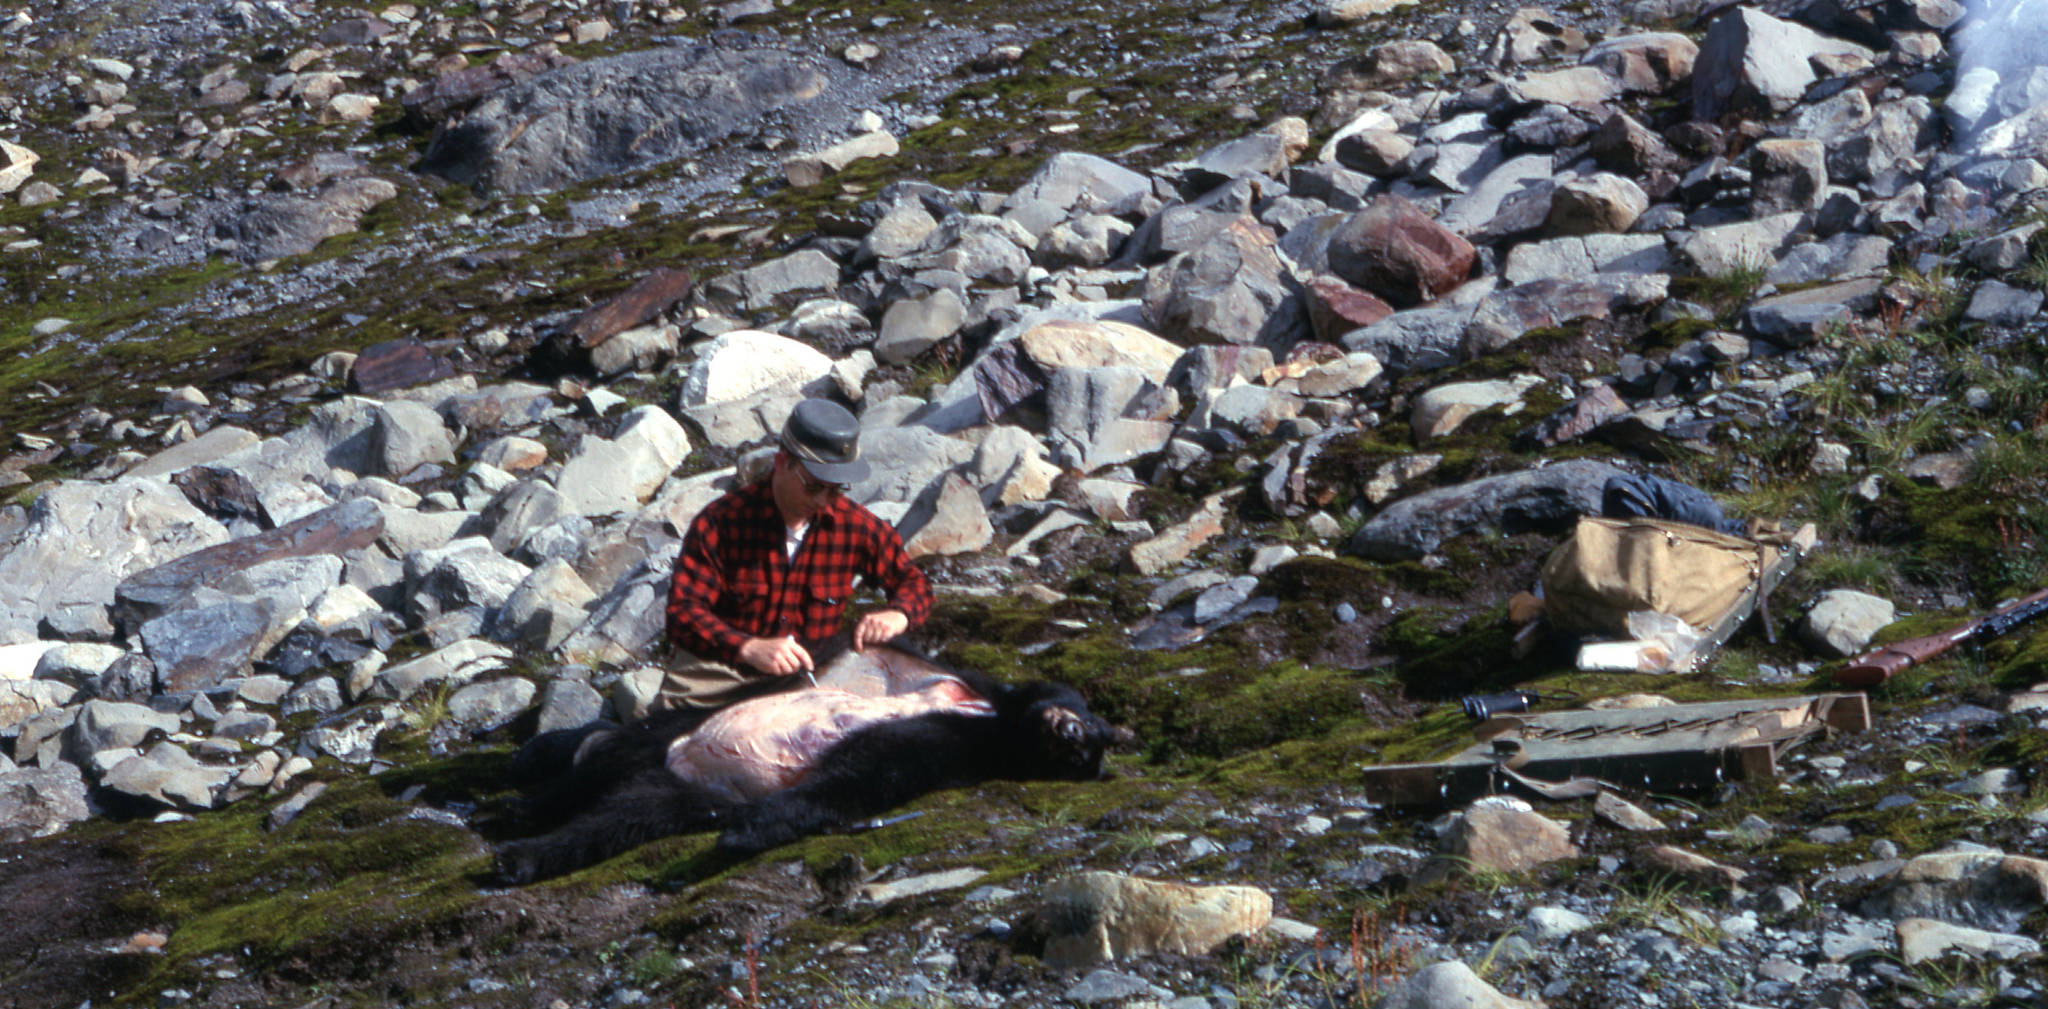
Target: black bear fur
607	789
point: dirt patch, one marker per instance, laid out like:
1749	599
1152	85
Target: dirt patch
71	907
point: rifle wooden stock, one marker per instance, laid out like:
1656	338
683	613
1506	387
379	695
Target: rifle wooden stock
1880	664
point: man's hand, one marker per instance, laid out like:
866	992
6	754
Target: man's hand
878	627
776	656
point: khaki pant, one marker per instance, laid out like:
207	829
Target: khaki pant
691	682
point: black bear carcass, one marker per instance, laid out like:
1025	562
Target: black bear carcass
877	729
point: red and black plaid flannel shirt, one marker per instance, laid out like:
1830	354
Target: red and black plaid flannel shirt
734	580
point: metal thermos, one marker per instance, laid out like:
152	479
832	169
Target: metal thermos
1480	707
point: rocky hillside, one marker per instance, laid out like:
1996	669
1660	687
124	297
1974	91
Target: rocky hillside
1234	363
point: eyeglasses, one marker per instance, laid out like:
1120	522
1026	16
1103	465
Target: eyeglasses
815	487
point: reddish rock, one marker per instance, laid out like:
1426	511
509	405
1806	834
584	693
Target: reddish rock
396	364
452	92
1336	308
1396	251
648	297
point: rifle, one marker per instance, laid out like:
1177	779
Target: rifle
1880	664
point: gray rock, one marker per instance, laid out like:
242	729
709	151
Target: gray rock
1232	289
976	247
1549	924
1265	153
641	348
467	572
165	773
80	541
1599	203
275	225
1803	317
2002	305
912	326
1441	409
1752	62
38	802
1505	316
350	737
547	604
1845	255
76	664
287	811
1979	889
1479	205
243	724
405	436
568	704
1375	151
627	620
1504	834
487	705
1648	62
516	512
1924	939
320	694
203	645
1575	257
1787	175
1098	417
113	725
1177	542
1449	983
1833	119
747	363
948	519
1420	339
561	127
1250	410
216	442
1217	601
905	461
332	531
455	664
610	477
1844	620
804	273
899	232
1745	245
1853	938
1548	498
1067	182
1111	986
1898	130
265	688
1089	240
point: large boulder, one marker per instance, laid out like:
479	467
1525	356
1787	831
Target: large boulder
80	541
331	533
1233	289
275	225
618	114
1069	182
1753	63
1396	251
